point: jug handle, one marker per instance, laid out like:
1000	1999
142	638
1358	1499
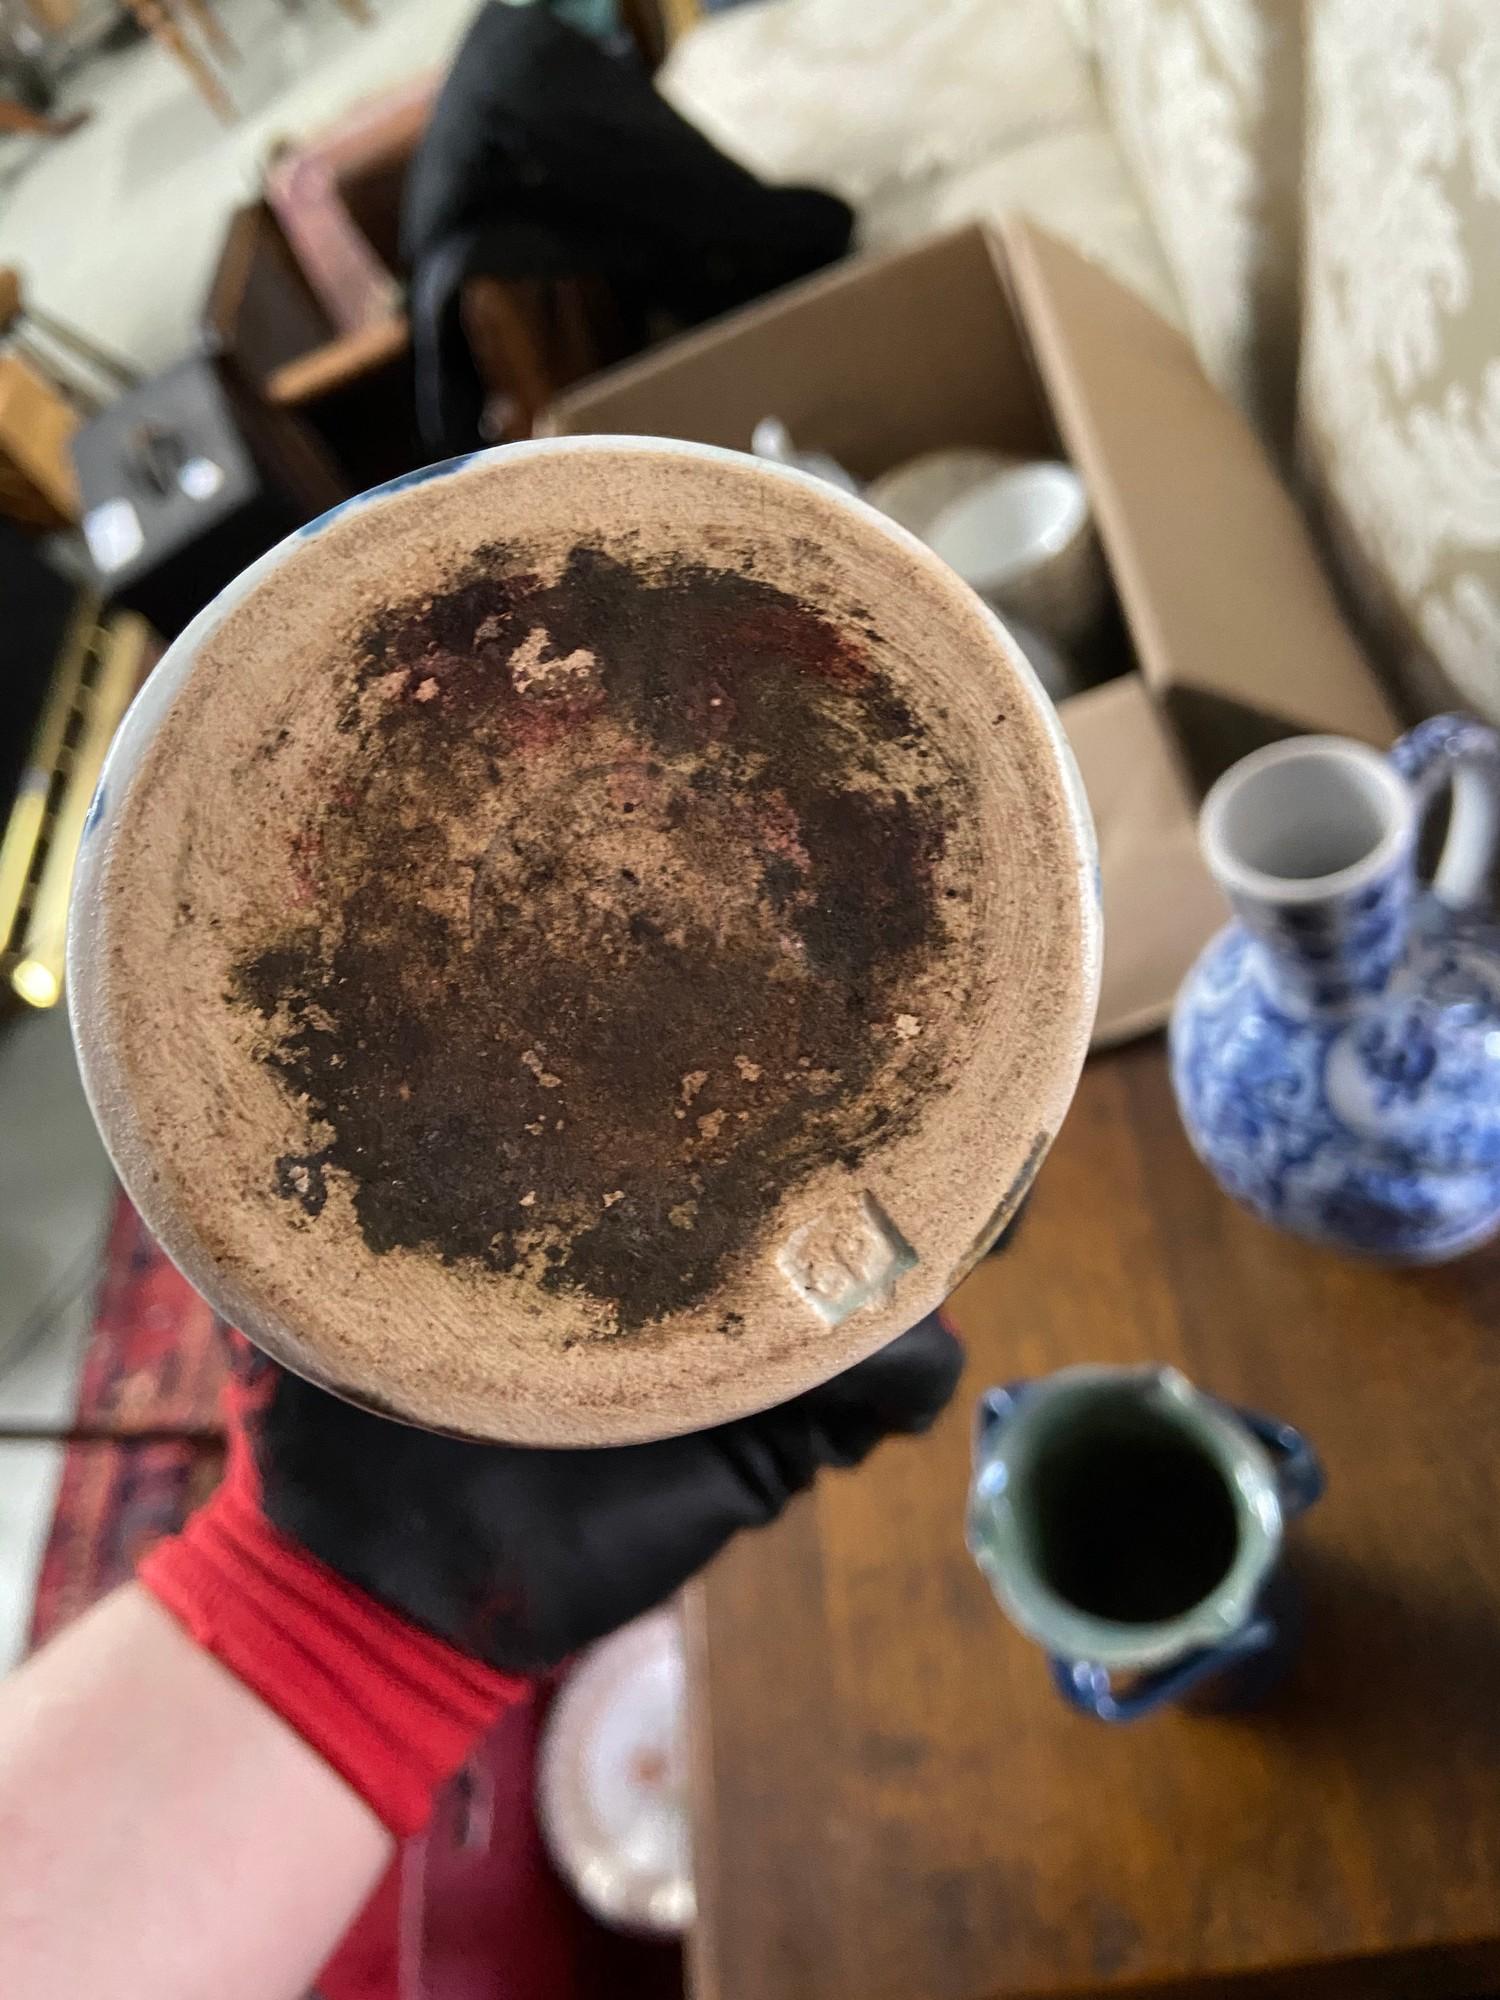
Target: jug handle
1458	751
1299	1470
1087	1686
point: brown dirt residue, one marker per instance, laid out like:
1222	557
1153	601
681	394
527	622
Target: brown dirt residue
601	939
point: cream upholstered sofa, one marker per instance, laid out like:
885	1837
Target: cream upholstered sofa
923	114
1325	179
1400	386
1312	187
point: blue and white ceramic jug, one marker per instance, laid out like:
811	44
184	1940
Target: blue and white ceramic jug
1336	1050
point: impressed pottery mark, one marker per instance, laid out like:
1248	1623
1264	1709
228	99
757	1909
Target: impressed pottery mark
849	1258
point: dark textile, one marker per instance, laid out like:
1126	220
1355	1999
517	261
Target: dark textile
520	1555
548	155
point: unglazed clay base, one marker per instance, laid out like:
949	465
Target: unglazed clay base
585	944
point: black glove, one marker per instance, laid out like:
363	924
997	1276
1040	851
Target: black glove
521	1555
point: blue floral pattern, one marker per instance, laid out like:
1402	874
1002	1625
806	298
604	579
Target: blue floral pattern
1375	1127
1398	1051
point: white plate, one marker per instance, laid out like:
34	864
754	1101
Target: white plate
612	1780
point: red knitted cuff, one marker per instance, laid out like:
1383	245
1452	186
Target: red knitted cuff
394	1710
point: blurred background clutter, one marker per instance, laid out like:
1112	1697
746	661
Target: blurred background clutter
1170	325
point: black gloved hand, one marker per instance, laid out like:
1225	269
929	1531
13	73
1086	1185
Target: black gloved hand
521	1555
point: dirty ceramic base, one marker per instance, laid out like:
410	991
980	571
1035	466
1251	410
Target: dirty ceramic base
540	983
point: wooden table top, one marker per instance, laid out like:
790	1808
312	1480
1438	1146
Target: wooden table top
891	1804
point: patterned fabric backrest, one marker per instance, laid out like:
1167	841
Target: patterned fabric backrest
1400	388
1206	100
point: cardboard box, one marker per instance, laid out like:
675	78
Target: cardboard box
1007	338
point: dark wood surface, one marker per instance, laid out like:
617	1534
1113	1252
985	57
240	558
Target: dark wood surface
891	1804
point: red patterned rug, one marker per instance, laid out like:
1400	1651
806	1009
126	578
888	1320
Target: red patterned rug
145	1446
114	1500
154	1363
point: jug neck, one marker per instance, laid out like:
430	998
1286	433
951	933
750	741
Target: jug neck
1313	841
1329	954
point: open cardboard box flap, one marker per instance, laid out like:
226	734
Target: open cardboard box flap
1235	624
1160	903
873	361
1004	337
